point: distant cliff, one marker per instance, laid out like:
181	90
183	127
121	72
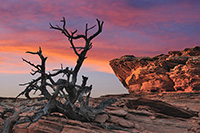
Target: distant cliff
179	70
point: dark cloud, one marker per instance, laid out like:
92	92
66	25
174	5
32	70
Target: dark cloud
149	4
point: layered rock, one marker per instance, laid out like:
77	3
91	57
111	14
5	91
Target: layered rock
131	113
179	70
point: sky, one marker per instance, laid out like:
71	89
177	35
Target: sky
131	27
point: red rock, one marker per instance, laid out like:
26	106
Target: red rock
72	122
101	118
179	70
152	117
121	121
134	88
137	126
138	119
115	119
187	77
76	129
118	112
40	126
126	123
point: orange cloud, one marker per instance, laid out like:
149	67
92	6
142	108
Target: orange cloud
141	28
65	56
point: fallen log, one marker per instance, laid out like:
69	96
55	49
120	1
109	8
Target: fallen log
10	121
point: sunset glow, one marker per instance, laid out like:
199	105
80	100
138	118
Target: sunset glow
132	27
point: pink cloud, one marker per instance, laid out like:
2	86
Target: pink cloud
130	27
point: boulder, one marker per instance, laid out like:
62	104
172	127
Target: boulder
177	71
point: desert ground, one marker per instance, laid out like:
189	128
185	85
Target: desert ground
175	112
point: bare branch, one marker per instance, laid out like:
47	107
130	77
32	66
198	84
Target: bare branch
65	30
79	48
73	32
87	29
28	89
35	80
57	27
39	53
34	72
100	26
74	48
91	27
60	71
37	67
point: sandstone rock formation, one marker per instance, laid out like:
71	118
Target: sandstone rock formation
163	112
177	71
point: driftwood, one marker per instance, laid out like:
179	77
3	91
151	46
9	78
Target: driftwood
64	95
10	121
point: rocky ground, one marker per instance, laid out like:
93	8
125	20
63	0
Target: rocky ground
142	112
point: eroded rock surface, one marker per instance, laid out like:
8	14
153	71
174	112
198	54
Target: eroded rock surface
179	70
143	112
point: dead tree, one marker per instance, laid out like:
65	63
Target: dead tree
10	121
67	97
81	52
